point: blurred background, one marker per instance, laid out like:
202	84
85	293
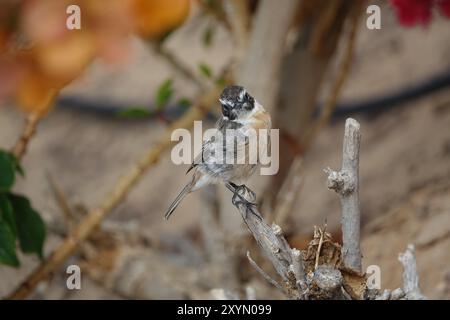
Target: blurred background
103	97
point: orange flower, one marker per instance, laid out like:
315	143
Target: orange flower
35	93
154	18
40	55
64	60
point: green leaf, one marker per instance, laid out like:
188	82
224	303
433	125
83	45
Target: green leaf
7	246
163	94
184	102
221	82
205	70
30	227
208	35
16	164
134	113
166	36
7	174
6	214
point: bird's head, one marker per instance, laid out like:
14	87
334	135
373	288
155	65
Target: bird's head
236	102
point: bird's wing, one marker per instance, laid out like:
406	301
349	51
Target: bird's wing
206	147
200	157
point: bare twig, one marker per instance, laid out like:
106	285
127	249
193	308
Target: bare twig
274	246
288	192
323	118
303	72
299	272
345	183
61	200
118	194
338	84
21	144
215	9
410	274
319	247
263	273
238	15
266	50
175	63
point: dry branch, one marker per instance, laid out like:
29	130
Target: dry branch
286	261
20	147
331	101
410	289
410	274
260	67
329	280
299	272
119	191
238	15
263	273
176	64
288	192
304	69
337	276
346	184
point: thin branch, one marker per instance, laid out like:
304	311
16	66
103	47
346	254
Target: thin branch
215	9
338	84
238	15
20	147
61	200
275	247
118	193
266	50
299	272
176	64
263	273
287	195
319	248
410	274
346	184
266	238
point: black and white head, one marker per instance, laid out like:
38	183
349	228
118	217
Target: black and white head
236	102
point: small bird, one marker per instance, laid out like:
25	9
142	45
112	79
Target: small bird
241	112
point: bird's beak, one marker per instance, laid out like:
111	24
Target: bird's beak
226	110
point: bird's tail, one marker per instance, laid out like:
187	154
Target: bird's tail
187	188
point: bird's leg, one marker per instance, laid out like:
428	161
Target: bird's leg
234	188
239	192
243	192
250	192
247	190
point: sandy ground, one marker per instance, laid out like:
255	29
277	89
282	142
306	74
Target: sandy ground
405	157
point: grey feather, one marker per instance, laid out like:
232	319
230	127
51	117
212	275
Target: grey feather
187	188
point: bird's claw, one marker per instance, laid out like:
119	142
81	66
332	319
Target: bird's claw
242	195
